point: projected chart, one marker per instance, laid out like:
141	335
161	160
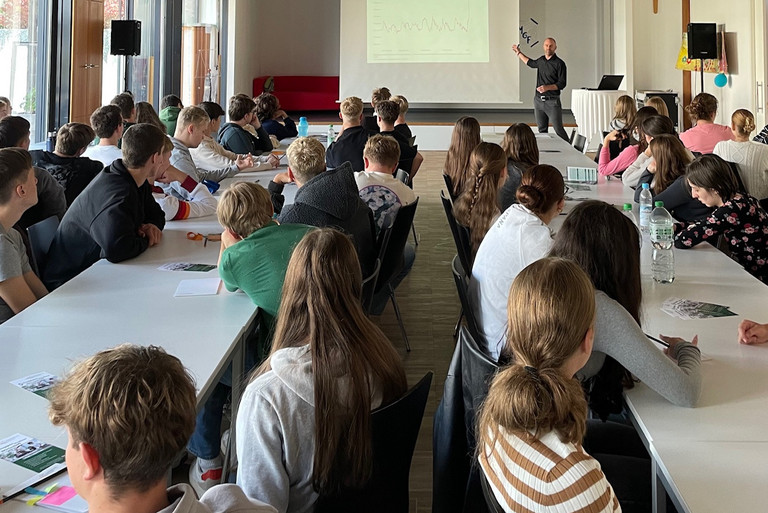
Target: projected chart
402	31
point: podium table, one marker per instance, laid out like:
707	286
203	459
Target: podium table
593	110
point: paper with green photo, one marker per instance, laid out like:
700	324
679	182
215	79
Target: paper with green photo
30	453
39	383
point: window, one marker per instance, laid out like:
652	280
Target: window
200	51
113	66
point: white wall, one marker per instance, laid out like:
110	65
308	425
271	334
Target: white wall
242	55
656	40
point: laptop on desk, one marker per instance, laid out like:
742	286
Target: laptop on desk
608	83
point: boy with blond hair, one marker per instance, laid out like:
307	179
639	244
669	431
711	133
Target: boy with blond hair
348	146
255	251
129	412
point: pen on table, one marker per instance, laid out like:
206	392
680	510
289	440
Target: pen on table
657	340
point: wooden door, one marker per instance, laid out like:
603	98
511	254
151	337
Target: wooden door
87	49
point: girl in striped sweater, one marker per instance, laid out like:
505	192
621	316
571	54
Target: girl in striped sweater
534	418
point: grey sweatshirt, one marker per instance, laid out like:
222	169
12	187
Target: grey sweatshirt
182	160
619	336
226	498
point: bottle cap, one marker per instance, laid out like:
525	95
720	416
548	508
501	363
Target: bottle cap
627	206
659	204
302	118
645	186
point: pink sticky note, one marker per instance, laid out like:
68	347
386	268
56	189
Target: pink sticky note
60	496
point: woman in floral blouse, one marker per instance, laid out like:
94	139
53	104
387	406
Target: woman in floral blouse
737	216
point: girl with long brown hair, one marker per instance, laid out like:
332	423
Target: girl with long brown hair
705	133
531	425
304	421
465	137
522	153
477	206
666	176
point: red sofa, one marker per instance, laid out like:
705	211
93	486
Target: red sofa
302	93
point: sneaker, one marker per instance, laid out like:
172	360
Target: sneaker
201	480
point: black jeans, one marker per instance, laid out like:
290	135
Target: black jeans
549	111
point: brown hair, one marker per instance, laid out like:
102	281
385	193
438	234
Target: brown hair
213	110
657	125
320	306
14	165
171	100
464	139
402	103
146	113
105	120
351	108
541	188
712	172
551	308
73	137
703	106
477	205
641	115
244	207
380	94
388	111
266	106
382	149
671	160
744	122
306	158
126	104
625	109
140	142
520	144
239	107
135	406
657	103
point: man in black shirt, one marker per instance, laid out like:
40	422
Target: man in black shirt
550	80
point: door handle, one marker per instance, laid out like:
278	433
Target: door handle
760	97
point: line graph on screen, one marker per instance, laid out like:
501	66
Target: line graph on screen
405	31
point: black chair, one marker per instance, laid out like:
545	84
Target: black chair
369	286
461	279
490	498
737	173
391	256
412	140
573	134
406	179
460	235
580	142
395	430
40	237
449	185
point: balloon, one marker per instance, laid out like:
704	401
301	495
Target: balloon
721	80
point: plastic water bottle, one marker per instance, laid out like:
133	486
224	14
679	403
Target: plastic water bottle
331	135
303	127
627	211
646	207
663	260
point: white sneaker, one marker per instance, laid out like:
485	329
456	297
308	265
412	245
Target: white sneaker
203	481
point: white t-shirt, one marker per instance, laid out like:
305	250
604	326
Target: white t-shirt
104	154
383	193
515	240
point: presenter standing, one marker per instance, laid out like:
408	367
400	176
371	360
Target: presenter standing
550	80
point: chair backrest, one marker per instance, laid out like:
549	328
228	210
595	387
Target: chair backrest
449	185
490	498
392	258
395	429
403	176
412	140
573	134
40	237
460	238
460	278
580	142
737	173
369	286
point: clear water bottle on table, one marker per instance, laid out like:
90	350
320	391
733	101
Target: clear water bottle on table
627	211
646	207
662	239
331	135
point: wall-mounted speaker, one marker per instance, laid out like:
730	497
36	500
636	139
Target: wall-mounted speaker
702	41
126	37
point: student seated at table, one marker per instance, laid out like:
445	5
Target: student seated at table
666	176
477	207
191	128
752	157
752	333
519	236
128	412
609	251
400	125
325	198
73	171
200	202
233	135
210	155
653	126
107	124
303	424
410	159
254	256
464	138
116	217
522	154
705	133
14	133
19	285
737	216
273	118
371	123
127	110
170	106
608	166
532	423
350	142
624	112
659	104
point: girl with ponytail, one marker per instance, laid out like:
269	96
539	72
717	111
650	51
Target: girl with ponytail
532	423
752	157
705	133
477	206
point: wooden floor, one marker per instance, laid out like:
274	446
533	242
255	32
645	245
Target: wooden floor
430	306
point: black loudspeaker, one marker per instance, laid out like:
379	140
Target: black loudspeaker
126	37
702	41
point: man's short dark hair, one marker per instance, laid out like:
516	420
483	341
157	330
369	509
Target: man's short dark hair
213	109
140	142
105	120
14	163
171	100
388	111
12	130
73	137
126	104
239	107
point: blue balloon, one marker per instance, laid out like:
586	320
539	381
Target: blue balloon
721	80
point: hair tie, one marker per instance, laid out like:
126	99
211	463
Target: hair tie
534	372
